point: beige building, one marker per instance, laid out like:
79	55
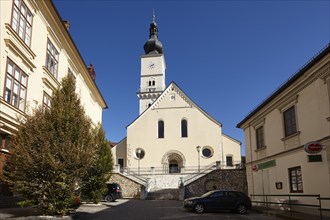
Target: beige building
287	138
36	52
172	134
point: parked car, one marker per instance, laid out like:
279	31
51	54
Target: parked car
114	192
219	200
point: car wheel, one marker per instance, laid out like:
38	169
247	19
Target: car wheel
241	209
108	198
199	208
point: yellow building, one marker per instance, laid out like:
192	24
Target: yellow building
36	52
287	139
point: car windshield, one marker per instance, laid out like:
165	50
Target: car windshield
207	194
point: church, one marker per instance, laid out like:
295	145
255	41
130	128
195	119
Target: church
172	134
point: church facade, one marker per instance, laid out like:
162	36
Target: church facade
172	134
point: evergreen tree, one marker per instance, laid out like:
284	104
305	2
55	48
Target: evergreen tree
94	182
52	151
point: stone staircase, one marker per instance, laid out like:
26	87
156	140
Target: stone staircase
163	187
163	194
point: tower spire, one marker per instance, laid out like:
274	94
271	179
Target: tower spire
153	16
153	45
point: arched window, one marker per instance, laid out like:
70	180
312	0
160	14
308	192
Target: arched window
153	82
184	128
160	129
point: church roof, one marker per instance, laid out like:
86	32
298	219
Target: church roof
174	87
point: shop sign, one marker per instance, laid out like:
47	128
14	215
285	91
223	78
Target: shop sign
313	147
268	164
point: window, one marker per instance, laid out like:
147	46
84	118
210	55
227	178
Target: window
4	140
46	100
160	129
290	121
207	152
21	21
260	137
184	128
229	161
295	178
52	58
121	162
15	86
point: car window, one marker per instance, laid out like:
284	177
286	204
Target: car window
217	195
232	194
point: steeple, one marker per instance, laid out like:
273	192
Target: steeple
153	45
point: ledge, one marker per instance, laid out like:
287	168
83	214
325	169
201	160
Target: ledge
291	136
17	45
49	79
260	149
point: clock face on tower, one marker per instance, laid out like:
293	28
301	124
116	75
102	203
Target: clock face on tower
151	65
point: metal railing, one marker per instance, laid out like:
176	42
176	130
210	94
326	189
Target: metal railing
175	170
288	201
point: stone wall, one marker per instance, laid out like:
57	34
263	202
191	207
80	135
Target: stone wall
130	188
219	180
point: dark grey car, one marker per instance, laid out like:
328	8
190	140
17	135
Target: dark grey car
219	200
114	192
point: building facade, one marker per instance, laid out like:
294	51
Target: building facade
36	52
287	137
172	134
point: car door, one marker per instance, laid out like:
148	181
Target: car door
216	201
231	199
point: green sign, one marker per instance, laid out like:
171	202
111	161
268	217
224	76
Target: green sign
268	164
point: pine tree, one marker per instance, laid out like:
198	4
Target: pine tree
52	151
94	182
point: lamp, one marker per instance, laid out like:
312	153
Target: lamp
138	154
198	148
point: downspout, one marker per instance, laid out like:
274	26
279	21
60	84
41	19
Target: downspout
250	146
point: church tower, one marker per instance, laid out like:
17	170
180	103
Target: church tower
152	69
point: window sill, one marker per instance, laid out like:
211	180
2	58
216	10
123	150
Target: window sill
15	43
260	149
291	136
50	80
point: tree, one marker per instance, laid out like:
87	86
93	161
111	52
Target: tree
52	151
94	182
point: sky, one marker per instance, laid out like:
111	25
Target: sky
227	56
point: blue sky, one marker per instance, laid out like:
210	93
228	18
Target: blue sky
227	56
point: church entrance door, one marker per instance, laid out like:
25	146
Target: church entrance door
173	161
174	167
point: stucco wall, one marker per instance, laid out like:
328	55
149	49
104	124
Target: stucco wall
202	131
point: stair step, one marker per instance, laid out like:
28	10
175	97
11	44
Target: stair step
164	194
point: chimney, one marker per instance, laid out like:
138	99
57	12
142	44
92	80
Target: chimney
91	71
67	24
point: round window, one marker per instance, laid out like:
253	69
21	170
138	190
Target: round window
139	153
207	152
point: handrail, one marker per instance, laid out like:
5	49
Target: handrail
291	203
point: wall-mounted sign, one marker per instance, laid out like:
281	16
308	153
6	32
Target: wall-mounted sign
279	185
255	167
268	164
313	147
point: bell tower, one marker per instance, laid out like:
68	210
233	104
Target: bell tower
152	79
